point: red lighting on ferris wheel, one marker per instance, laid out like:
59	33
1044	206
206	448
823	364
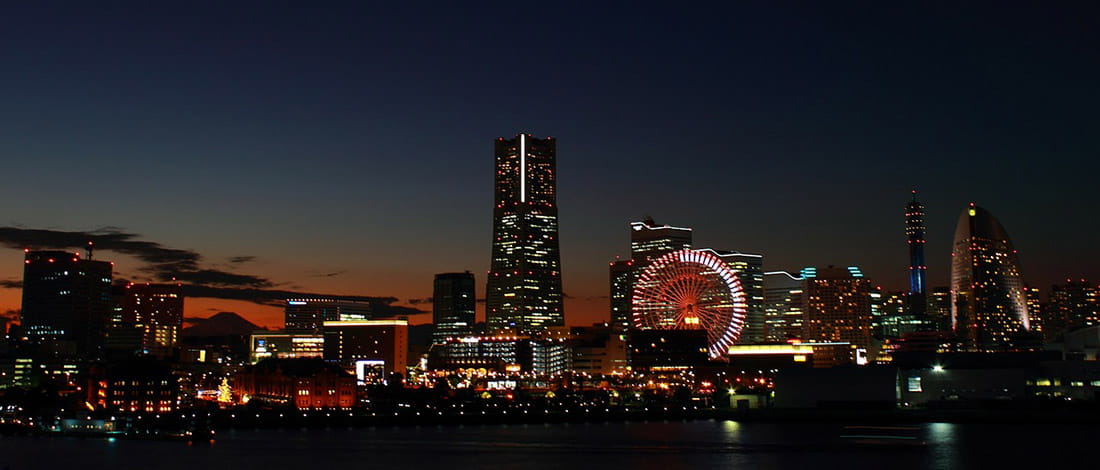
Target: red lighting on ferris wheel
691	290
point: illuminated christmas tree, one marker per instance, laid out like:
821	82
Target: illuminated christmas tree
225	392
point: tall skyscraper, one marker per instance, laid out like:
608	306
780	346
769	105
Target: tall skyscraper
308	314
524	286
1036	315
838	306
1073	305
621	275
157	311
648	241
453	303
782	306
66	301
939	308
750	271
914	230
989	308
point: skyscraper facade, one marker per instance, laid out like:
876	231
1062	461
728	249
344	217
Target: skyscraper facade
750	271
838	306
310	313
989	308
1036	313
621	277
523	292
782	306
914	231
453	303
648	240
157	311
939	308
66	301
1073	305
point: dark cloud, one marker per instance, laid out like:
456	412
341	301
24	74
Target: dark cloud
11	284
164	263
380	306
425	300
10	315
162	258
217	278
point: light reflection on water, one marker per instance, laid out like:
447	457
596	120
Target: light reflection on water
640	446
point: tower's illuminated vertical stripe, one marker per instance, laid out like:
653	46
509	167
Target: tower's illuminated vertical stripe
522	169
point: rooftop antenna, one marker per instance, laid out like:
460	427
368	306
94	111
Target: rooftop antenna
91	246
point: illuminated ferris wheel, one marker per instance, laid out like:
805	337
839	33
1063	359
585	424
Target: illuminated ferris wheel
691	290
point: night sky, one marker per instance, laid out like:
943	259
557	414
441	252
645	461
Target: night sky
347	149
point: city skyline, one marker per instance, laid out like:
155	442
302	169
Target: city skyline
315	173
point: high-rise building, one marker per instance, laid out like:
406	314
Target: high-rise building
648	241
66	301
453	303
939	308
1036	311
157	311
897	320
989	308
1073	305
622	289
750	271
782	306
914	230
310	313
523	292
838	306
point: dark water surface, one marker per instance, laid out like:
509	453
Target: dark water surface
640	445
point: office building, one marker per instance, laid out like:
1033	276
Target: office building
782	306
523	292
989	307
384	343
1073	305
750	272
499	353
648	241
897	320
453	304
621	277
286	344
66	302
156	310
838	306
1036	313
311	313
939	308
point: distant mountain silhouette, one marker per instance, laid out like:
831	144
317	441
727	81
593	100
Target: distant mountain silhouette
221	324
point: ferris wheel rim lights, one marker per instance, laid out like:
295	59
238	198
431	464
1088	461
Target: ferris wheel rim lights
675	264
